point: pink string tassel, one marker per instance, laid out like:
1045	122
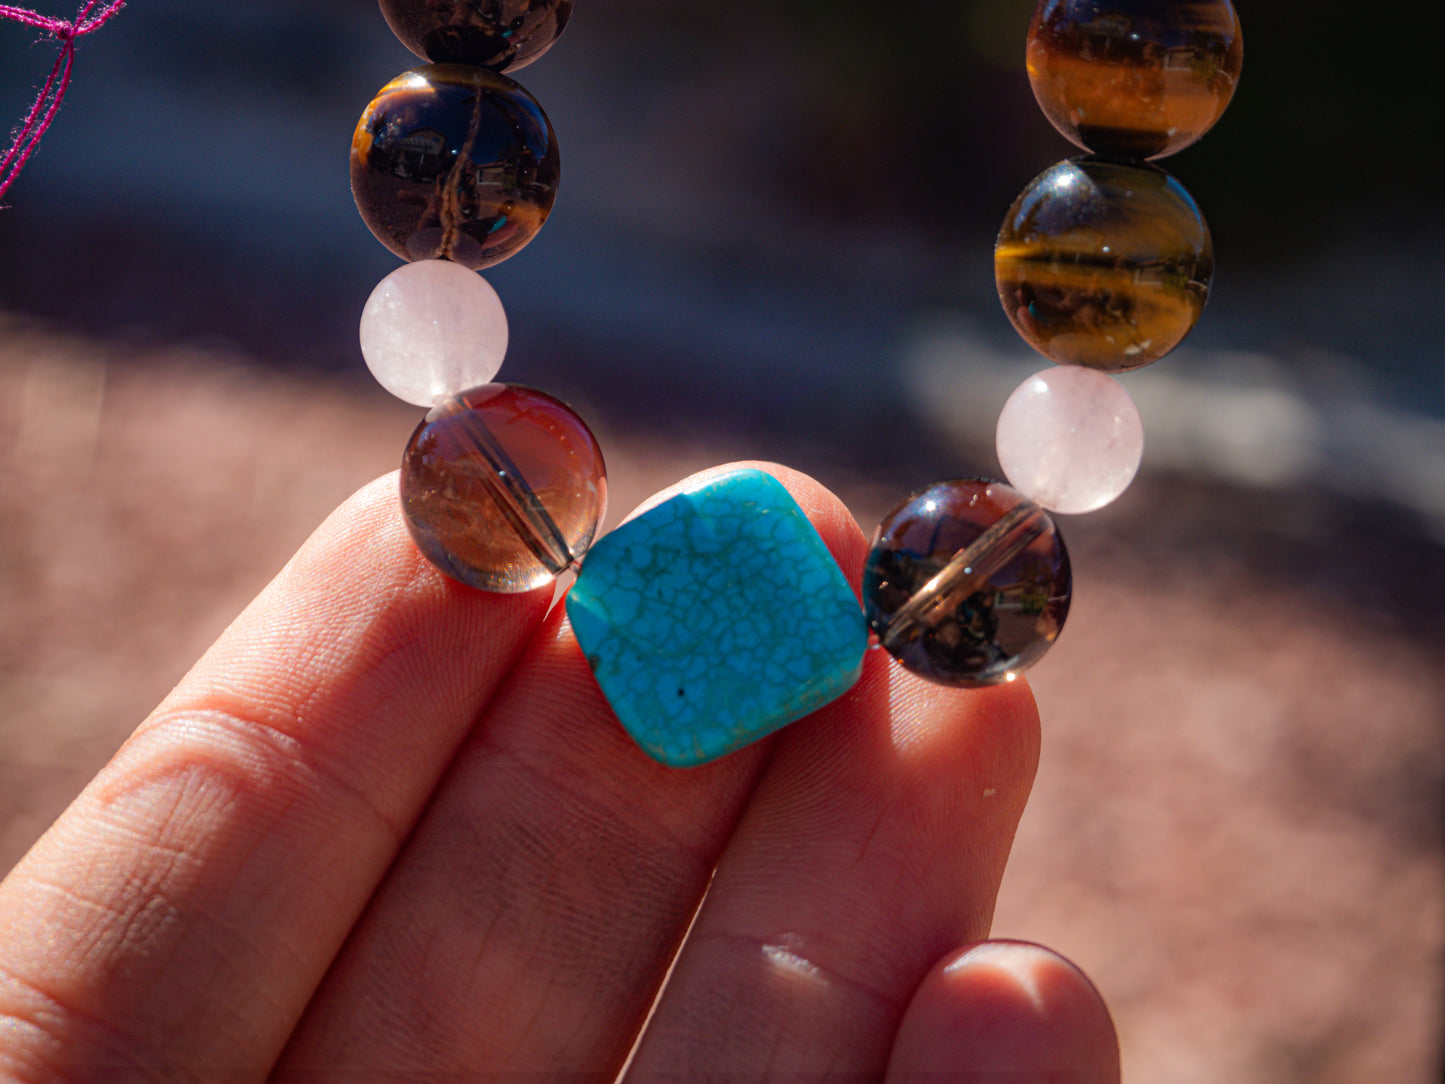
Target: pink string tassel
47	102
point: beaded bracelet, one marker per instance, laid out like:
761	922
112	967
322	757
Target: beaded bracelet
718	616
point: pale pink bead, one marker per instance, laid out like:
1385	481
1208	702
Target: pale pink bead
431	329
1070	438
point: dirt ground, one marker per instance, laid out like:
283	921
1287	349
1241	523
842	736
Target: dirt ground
1236	829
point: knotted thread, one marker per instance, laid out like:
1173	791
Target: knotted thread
47	103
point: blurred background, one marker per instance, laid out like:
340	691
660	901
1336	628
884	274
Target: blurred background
773	241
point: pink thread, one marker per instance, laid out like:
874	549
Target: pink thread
47	102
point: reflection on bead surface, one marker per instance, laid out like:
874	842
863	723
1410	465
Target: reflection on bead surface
1104	263
967	583
432	328
1140	78
498	34
454	162
503	487
1070	439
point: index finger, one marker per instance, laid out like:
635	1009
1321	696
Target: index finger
185	907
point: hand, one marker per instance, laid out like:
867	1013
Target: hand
387	829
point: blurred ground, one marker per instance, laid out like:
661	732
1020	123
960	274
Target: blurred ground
1237	827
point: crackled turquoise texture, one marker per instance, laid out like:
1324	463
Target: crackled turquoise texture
715	618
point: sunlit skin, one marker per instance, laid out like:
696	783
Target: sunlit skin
387	828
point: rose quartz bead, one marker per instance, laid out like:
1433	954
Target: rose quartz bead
1070	438
431	329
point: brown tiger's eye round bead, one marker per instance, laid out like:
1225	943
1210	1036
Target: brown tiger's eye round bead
503	487
1104	263
1139	78
967	583
454	162
503	35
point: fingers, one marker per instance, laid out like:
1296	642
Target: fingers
1006	1013
181	913
536	909
874	843
534	914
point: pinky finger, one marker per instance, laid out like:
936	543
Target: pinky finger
1006	1011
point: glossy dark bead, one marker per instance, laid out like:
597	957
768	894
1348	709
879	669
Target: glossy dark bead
454	162
503	35
967	583
1139	78
1104	263
503	487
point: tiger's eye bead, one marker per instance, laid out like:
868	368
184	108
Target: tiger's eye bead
1139	78
454	162
1104	263
503	487
967	583
503	35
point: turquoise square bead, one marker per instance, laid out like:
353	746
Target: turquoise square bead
715	618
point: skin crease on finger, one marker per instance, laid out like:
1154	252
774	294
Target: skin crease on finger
178	872
562	964
864	843
873	846
181	912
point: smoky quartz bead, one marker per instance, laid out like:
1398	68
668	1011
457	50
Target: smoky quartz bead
967	583
503	35
503	487
1138	78
1104	263
454	162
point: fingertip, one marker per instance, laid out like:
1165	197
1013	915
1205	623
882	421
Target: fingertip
359	592
366	534
1006	1011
